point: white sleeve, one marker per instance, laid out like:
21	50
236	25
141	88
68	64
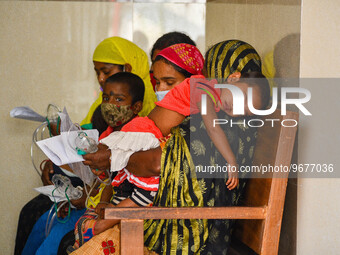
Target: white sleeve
124	144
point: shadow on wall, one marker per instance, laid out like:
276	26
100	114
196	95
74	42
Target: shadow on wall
286	58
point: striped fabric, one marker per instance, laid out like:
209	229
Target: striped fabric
178	187
231	56
139	196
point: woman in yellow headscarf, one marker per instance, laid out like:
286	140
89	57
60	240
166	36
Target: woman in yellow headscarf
116	54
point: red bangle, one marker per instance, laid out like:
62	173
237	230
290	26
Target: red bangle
42	162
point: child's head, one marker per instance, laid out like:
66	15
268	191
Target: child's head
260	92
123	96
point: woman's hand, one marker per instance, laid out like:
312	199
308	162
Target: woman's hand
80	203
101	205
100	159
46	171
97	172
63	211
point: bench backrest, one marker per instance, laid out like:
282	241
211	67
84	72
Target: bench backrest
274	147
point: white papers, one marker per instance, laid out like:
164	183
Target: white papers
47	190
25	112
57	195
61	149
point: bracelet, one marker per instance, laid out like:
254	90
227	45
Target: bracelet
42	162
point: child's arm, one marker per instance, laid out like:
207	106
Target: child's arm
105	198
103	224
165	119
221	142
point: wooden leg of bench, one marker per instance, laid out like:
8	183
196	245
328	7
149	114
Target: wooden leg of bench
131	237
272	224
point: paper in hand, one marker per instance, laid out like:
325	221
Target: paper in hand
61	149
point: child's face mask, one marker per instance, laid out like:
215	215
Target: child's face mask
115	115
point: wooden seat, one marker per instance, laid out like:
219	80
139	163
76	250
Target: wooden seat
262	207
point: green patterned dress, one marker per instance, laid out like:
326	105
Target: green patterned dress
180	186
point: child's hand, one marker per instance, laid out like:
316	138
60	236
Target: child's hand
232	181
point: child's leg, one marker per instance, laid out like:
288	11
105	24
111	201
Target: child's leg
139	197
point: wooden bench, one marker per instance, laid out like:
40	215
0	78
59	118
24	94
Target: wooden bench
262	207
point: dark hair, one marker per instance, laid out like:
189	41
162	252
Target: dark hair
121	67
169	39
135	83
176	67
258	80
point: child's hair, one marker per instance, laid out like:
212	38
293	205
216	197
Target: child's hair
258	80
135	83
176	67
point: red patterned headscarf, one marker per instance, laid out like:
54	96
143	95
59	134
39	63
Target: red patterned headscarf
186	56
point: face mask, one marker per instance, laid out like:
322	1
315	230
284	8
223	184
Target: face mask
161	94
115	115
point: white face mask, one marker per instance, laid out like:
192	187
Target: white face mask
161	94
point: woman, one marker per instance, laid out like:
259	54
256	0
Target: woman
180	187
116	54
165	41
178	184
112	55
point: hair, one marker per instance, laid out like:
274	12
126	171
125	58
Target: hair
169	39
176	67
121	67
258	80
135	83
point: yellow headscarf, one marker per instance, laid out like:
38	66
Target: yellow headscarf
119	51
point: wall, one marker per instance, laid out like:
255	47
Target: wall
45	56
318	200
272	27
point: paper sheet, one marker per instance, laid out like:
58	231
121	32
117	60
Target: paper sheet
61	149
47	190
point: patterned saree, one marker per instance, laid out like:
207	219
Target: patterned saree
179	186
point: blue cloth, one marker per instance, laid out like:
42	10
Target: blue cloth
38	244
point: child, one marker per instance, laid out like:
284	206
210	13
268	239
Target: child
122	100
184	100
